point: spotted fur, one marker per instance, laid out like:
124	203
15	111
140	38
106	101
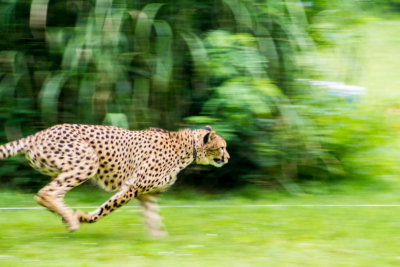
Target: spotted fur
135	164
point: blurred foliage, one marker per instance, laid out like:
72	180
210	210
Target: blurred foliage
234	64
387	6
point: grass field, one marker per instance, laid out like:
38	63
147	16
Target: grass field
219	231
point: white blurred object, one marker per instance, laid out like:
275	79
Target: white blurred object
339	89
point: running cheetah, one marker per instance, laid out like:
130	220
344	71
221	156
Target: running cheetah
135	164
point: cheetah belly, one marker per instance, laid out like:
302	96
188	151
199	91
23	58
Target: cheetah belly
108	183
165	186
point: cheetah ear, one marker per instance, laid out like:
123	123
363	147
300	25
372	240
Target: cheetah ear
208	136
208	128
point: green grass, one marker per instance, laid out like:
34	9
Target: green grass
211	235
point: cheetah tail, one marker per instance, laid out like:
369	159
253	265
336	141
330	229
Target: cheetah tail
12	148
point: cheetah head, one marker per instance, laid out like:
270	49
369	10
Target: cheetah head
210	148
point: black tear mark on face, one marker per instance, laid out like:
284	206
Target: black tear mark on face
205	138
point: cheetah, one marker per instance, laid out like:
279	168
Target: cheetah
134	164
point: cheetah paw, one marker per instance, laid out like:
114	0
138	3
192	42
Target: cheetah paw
72	222
158	233
82	216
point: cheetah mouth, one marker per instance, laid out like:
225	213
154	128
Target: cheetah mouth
219	161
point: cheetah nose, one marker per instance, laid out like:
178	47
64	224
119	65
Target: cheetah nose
227	156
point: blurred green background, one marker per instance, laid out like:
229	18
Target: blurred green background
291	85
306	93
285	82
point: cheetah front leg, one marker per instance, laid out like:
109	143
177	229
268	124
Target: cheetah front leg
152	218
116	201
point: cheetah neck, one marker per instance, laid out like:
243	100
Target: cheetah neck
194	149
186	140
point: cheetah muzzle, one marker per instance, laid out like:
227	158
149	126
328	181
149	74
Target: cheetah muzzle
134	164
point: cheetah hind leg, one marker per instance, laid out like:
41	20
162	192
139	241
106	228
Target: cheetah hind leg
51	196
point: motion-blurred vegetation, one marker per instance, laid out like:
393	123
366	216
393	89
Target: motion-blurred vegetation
247	67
